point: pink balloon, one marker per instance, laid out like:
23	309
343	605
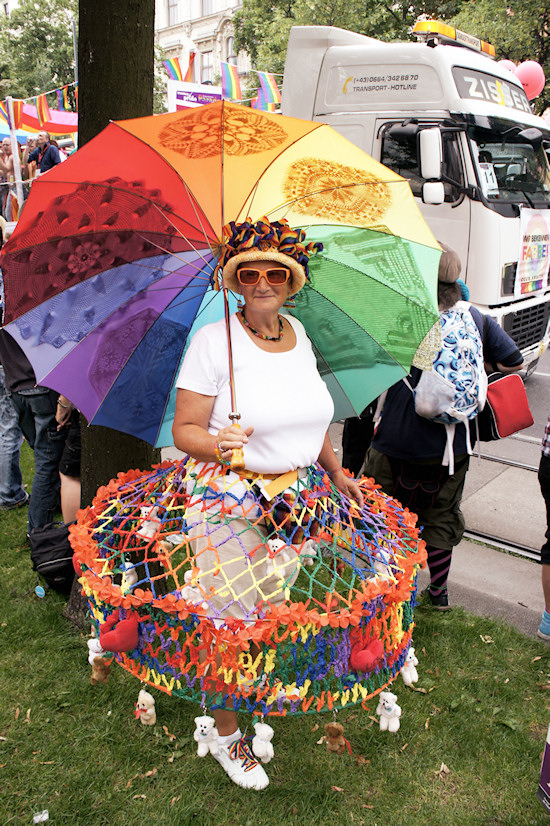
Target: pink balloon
532	78
507	64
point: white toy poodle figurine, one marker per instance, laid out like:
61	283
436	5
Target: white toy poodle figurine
408	671
388	711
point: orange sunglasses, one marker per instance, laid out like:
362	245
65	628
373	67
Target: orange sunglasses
249	276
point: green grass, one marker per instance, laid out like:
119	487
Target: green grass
482	712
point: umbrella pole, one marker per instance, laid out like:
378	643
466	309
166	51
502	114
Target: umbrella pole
237	457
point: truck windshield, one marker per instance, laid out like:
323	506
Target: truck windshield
510	168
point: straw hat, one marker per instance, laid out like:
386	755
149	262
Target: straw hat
265	241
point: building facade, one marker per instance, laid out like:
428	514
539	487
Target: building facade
202	26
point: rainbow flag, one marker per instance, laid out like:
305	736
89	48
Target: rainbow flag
269	87
42	109
4	111
259	102
231	85
17	114
63	99
189	73
172	66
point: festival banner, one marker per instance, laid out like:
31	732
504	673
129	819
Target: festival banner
189	73
231	84
269	87
17	113
42	109
534	252
260	102
173	68
63	99
4	112
183	95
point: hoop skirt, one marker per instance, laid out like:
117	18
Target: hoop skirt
291	603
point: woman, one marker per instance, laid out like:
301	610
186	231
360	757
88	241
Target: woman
285	411
407	453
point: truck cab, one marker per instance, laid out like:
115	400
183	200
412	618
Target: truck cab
443	114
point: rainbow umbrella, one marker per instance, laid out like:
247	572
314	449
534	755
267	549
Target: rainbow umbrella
112	265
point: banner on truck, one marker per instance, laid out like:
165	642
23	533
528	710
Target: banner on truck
534	253
183	95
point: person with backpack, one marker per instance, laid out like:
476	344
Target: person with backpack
422	460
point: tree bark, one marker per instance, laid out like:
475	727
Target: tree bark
115	63
115	81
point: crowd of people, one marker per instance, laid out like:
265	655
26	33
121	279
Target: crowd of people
38	155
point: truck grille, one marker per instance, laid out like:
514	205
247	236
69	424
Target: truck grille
527	326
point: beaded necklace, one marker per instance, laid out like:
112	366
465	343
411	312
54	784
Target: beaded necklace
261	335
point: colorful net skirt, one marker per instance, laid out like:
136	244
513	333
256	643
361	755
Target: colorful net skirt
209	585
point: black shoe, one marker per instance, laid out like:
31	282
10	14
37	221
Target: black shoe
439	602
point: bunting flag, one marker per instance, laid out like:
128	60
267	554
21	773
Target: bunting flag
173	68
42	109
269	87
17	114
26	118
63	99
231	85
4	112
260	102
189	73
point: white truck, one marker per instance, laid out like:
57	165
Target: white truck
443	114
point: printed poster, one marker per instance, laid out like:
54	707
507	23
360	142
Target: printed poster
183	95
534	252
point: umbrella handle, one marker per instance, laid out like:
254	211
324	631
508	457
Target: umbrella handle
237	456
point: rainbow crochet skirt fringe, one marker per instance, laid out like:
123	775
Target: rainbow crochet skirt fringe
298	603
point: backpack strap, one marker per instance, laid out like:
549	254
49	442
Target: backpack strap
449	456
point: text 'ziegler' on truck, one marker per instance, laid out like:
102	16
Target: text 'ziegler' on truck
443	114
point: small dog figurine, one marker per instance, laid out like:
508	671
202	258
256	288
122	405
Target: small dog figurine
409	672
388	711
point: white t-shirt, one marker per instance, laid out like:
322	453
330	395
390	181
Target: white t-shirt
281	395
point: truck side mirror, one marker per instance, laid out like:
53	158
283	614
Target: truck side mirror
431	154
433	192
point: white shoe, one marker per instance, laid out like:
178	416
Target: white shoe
242	767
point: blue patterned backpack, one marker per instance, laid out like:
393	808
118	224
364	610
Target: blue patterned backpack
455	389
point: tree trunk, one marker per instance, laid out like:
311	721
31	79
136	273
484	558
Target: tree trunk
115	81
115	63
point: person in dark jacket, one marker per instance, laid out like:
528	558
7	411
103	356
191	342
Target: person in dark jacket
406	456
46	155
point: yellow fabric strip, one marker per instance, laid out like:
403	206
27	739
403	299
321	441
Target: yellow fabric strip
280	484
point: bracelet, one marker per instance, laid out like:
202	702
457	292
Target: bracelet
64	406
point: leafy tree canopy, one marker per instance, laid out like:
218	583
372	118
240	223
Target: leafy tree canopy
37	51
36	47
